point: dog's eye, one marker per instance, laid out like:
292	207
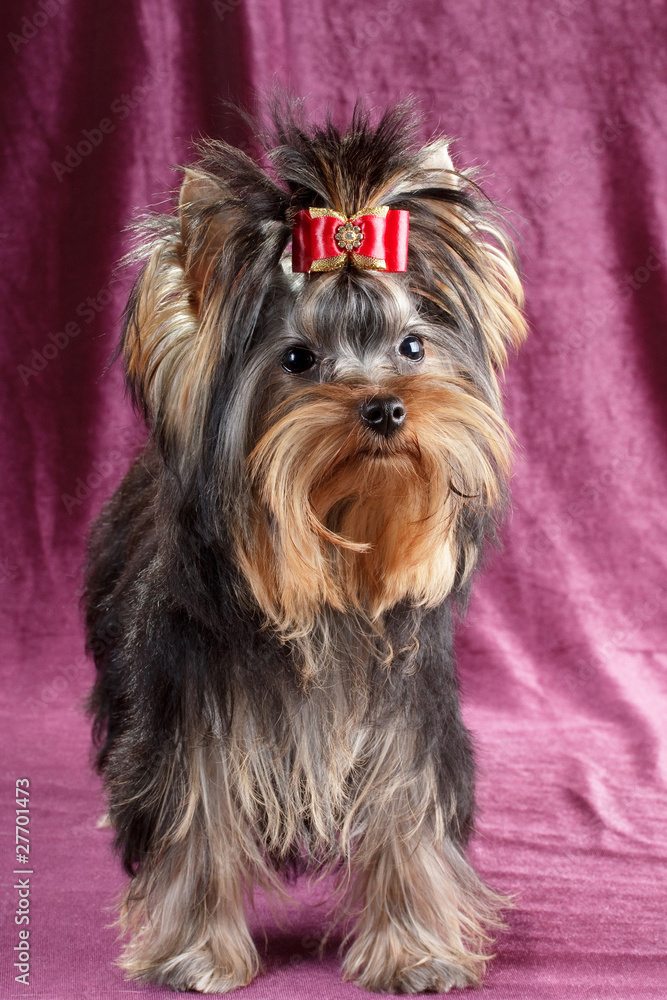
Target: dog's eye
297	360
411	348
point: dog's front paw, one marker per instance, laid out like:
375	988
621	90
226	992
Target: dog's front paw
386	966
195	969
428	975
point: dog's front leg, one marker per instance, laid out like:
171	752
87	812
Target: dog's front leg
421	913
185	906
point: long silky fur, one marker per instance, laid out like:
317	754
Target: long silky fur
271	592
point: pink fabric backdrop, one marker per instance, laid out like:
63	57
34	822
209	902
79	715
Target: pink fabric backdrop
563	655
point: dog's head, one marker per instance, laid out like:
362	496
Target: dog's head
342	427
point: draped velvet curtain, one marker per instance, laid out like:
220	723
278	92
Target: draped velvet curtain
562	105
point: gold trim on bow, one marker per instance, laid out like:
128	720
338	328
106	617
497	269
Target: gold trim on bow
369	263
359	259
323	213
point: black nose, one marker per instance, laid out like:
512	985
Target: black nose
383	414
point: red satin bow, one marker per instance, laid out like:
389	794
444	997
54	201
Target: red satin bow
374	239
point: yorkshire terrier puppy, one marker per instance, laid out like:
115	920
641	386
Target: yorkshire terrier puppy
271	591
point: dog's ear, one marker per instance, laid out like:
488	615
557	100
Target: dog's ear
436	161
463	261
206	272
430	168
437	156
209	213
